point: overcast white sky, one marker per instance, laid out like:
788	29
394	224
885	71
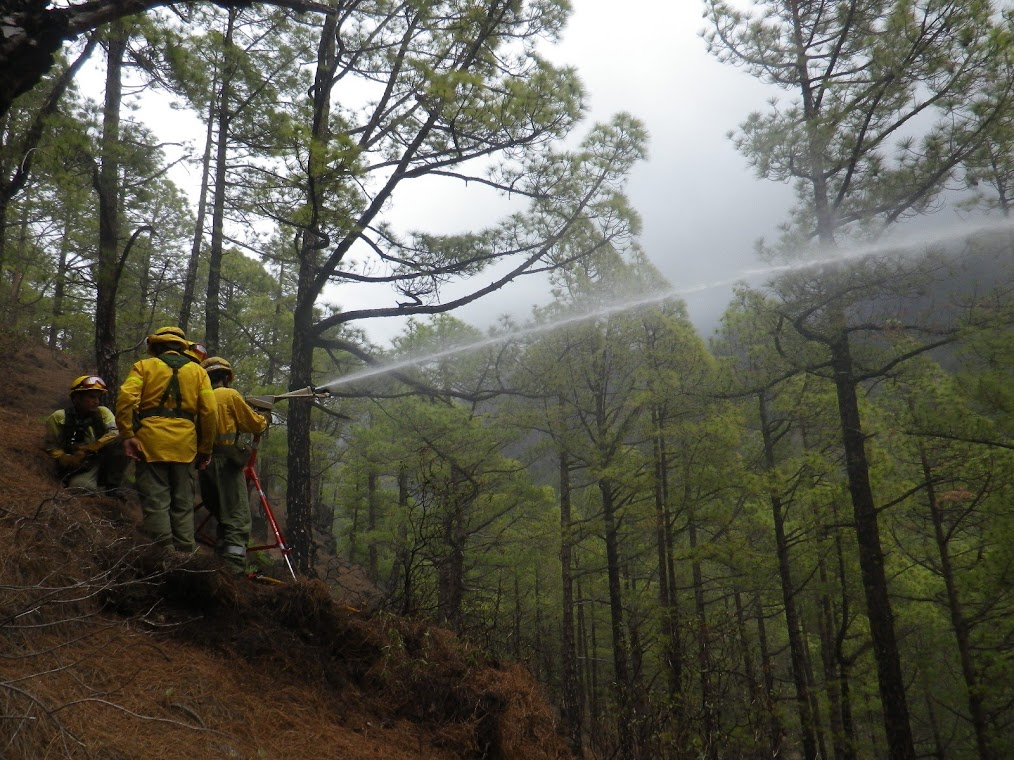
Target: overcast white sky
701	207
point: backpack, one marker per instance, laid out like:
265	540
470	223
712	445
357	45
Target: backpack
173	361
76	427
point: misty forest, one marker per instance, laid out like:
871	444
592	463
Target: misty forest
793	537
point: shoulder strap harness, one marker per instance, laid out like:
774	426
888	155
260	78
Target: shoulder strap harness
75	427
174	361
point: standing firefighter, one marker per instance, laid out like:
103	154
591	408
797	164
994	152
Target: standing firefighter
166	416
82	439
223	485
196	352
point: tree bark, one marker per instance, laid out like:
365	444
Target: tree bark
620	666
709	736
959	623
107	185
451	569
372	516
190	282
404	555
871	558
756	708
797	656
299	495
213	304
775	731
842	659
60	284
832	683
571	707
672	652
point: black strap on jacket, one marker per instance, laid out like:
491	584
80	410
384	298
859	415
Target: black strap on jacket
76	427
174	361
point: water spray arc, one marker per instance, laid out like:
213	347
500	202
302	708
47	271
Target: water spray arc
894	248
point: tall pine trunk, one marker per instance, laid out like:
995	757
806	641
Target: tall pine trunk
832	683
705	662
571	707
871	558
775	731
797	655
372	517
620	666
672	648
60	283
190	281
756	712
213	304
107	185
959	623
299	496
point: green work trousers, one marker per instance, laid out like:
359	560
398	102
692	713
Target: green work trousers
167	503
101	472
223	490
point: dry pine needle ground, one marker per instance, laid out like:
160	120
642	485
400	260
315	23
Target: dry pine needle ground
112	649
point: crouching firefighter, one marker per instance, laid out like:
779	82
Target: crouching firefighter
166	416
83	441
223	484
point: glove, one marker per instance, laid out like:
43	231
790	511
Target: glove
89	448
71	461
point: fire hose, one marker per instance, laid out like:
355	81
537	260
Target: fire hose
266	403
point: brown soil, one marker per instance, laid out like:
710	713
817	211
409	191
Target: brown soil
112	649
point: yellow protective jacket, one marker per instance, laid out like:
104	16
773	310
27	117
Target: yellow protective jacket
235	416
178	435
55	445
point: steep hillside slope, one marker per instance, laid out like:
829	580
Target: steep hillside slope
112	649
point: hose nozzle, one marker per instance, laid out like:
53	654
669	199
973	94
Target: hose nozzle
267	402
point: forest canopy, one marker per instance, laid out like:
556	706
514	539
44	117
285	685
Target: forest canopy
791	536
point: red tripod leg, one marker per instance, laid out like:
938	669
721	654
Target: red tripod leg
285	549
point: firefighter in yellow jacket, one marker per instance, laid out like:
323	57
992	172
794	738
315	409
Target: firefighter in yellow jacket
223	484
166	416
82	439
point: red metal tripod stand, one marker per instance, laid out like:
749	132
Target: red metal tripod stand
250	472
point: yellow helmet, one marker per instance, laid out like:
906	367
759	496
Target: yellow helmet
197	352
88	383
164	336
218	364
